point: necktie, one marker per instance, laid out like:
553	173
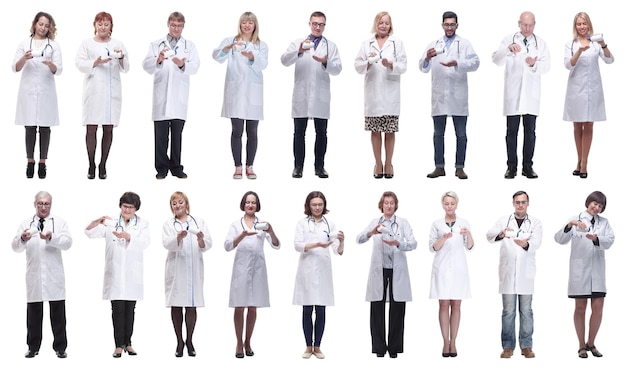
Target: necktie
41	221
316	41
526	43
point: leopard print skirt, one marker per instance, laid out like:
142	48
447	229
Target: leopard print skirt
382	124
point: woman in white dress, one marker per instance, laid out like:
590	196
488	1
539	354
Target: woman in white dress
39	59
449	238
388	278
186	238
126	238
314	279
243	89
101	59
584	99
248	286
590	235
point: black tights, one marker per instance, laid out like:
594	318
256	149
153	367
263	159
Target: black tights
44	141
190	323
91	141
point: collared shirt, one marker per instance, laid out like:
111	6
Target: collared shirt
172	41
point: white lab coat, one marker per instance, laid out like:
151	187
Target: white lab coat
522	83
587	266
248	283
584	99
184	265
243	87
123	260
382	84
102	85
37	96
517	266
45	276
449	93
449	278
311	89
170	95
314	278
401	279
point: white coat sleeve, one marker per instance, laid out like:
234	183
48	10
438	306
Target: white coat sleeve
218	53
606	239
499	56
291	54
61	237
362	237
333	63
57	58
298	239
141	239
230	237
192	63
361	61
260	58
433	237
495	230
150	61
536	236
169	235
408	243
399	65
563	237
208	241
469	61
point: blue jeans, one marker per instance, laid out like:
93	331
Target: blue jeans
460	123
528	149
509	303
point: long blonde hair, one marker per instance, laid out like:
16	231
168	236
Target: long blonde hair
249	16
586	18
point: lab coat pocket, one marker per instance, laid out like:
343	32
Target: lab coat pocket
576	270
256	94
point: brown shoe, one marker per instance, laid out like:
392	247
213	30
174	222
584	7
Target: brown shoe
439	171
460	174
507	353
528	353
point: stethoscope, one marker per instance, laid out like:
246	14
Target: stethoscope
119	226
380	53
178	226
533	36
323	39
520	227
36	221
256	221
394	224
245	45
48	45
166	45
312	227
458	46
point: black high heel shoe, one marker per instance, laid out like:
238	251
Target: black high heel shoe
30	170
129	351
42	170
102	172
191	351
91	172
179	350
594	351
116	354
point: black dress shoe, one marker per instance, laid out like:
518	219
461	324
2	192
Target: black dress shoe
42	170
439	171
180	174
30	353
61	354
393	354
30	170
380	355
297	172
161	176
321	173
510	173
528	172
460	174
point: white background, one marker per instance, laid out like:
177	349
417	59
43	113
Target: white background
351	191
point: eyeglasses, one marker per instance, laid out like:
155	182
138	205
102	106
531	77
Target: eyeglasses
128	206
520	202
449	25
43	204
316	24
177	26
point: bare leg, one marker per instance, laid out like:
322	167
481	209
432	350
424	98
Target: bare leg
377	144
586	144
578	139
444	324
238	318
597	305
390	143
579	320
250	321
455	320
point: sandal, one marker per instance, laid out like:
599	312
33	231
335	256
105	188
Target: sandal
594	350
583	354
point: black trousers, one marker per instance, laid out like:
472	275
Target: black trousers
321	140
163	162
395	338
34	320
123	321
528	149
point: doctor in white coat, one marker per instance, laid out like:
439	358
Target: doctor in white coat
525	58
39	59
313	289
316	59
590	235
44	237
520	236
243	89
382	60
248	284
172	60
126	238
388	279
186	238
449	58
101	59
450	237
584	98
